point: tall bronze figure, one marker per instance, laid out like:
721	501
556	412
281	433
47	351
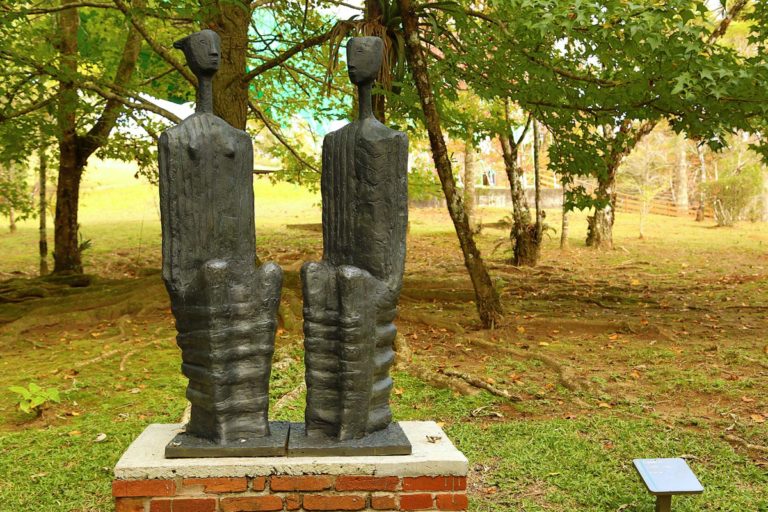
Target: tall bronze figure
225	307
350	297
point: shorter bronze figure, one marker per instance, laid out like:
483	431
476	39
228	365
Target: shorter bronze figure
350	297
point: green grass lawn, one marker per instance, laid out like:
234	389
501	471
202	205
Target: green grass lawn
666	332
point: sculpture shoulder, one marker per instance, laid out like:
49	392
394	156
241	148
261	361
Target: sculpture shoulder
373	130
202	123
369	128
169	135
198	127
344	130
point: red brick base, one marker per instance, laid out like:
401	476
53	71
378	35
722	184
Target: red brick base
311	492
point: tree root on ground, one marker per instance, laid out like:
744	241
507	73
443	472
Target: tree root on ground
91	306
478	383
429	319
403	352
404	362
439	380
97	359
290	312
110	353
745	444
106	355
290	396
755	361
566	376
125	359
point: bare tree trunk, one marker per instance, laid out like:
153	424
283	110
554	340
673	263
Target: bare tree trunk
469	181
681	185
42	210
230	20
519	233
374	14
600	225
11	220
522	234
66	253
702	181
486	297
75	149
564	225
644	207
764	216
537	182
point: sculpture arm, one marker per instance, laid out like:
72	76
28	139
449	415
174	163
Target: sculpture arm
357	324
321	345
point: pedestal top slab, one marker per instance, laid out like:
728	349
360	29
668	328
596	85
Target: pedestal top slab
433	454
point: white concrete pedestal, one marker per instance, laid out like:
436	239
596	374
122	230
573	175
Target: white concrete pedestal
433	477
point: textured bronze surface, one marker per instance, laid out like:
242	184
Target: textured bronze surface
389	441
350	297
188	446
225	307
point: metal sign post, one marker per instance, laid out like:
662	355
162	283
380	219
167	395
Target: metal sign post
665	478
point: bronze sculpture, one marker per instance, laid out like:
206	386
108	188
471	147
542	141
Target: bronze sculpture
225	307
350	297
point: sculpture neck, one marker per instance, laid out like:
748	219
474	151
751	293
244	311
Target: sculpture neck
365	103
204	100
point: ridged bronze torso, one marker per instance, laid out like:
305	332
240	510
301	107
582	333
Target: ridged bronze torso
350	297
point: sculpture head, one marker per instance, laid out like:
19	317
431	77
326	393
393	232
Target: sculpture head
364	57
202	50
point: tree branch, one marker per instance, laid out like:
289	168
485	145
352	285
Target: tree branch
287	54
158	48
274	131
345	4
99	132
138	103
49	10
722	27
152	133
635	135
29	108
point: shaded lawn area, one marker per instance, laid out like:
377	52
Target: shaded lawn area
655	349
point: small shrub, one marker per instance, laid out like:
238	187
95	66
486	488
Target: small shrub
732	196
34	398
738	183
